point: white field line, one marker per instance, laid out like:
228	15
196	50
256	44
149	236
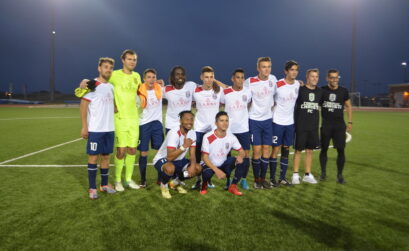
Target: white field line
40	151
40	118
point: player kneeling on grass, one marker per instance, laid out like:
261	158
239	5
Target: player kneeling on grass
170	160
215	147
307	117
97	116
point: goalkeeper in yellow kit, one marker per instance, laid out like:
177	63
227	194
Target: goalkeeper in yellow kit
126	83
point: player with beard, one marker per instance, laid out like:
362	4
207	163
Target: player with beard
335	98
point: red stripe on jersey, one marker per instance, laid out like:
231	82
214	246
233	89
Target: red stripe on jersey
211	138
205	152
97	83
227	91
280	83
86	99
198	89
254	80
171	147
169	88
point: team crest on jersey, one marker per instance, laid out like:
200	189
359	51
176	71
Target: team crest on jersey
311	97
332	97
187	94
214	96
244	98
270	83
227	146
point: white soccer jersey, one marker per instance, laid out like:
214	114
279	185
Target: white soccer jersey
235	104
153	109
101	108
262	95
285	99
178	100
218	148
174	139
207	105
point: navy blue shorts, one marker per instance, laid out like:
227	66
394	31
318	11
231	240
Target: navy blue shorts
152	131
283	135
261	132
179	164
227	167
100	143
244	139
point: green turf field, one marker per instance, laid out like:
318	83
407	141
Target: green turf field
48	207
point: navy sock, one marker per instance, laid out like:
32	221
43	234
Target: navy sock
165	178
92	175
256	168
273	168
240	169
143	160
264	167
207	174
246	165
284	166
104	176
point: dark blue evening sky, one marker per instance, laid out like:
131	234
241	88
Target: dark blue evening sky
223	34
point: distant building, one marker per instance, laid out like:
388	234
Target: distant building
399	95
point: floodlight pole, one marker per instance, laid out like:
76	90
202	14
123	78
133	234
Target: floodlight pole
353	57
52	61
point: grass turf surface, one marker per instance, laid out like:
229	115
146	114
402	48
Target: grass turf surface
48	208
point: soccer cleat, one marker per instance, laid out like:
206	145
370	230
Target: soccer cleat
244	185
165	192
180	189
203	189
93	194
228	182
172	185
131	184
108	188
323	177
284	182
210	185
341	180
265	184
309	179
296	179
273	183
119	187
197	185
257	184
143	184
233	189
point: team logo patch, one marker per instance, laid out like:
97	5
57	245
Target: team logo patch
187	94
227	146
244	98
332	97
270	83
214	96
311	97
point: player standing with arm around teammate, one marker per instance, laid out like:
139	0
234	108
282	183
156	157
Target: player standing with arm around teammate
97	117
334	99
216	146
283	121
170	159
126	83
150	124
307	117
262	88
236	100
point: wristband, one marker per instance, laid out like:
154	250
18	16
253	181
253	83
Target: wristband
182	148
